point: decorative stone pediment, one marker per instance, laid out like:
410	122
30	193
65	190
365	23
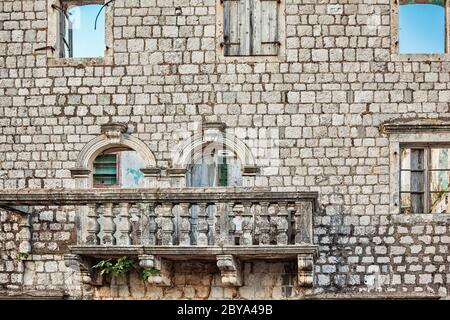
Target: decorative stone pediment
416	125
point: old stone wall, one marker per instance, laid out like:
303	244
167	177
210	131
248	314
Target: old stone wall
10	274
326	98
202	281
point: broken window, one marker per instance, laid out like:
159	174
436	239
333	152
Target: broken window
118	167
216	167
424	180
250	27
81	29
422	26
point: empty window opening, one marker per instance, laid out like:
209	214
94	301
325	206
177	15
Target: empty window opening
82	29
424	180
118	168
422	26
250	27
215	167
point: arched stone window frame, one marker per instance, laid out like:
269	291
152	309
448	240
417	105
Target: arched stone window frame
192	147
113	135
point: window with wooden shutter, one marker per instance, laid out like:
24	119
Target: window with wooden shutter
66	35
106	170
250	27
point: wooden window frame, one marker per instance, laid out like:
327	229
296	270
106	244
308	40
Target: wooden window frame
395	38
426	147
118	176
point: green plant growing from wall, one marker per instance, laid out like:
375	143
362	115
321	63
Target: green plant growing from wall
122	266
22	256
116	268
147	272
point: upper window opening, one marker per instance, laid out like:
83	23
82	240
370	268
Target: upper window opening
82	33
424	180
216	167
118	168
422	26
250	27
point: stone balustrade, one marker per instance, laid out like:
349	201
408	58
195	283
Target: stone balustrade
182	217
282	220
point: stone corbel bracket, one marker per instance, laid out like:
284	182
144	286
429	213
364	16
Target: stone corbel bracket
305	269
82	265
84	273
230	269
163	269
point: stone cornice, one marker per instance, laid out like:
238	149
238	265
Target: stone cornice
80	172
416	125
151	171
176	172
187	195
178	252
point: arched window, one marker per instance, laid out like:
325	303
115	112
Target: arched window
118	167
214	166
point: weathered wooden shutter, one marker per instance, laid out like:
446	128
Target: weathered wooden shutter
70	38
62	34
250	27
237	27
265	30
65	36
417	180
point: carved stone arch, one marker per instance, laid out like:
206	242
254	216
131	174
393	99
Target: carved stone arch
188	149
193	146
113	136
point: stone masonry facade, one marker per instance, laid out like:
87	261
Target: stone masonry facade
327	95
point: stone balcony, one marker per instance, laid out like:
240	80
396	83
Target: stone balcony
161	226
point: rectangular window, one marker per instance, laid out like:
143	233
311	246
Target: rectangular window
424	179
250	27
422	26
78	29
106	168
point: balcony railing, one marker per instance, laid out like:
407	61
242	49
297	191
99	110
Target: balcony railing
226	224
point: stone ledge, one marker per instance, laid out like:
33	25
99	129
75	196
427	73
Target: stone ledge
197	252
415	218
32	294
372	296
189	195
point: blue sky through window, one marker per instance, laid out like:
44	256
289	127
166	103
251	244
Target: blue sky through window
422	28
88	42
